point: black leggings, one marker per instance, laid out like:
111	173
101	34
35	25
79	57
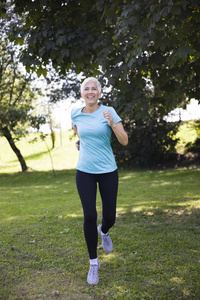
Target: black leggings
87	189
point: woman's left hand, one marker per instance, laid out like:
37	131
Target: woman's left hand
77	144
108	117
117	128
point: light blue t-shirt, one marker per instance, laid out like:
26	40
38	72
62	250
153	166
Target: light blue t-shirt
95	152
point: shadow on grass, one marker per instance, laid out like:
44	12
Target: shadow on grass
32	177
156	238
155	256
34	156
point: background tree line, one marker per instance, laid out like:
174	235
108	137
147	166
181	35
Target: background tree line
146	53
17	111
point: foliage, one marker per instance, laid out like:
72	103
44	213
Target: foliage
16	94
63	86
153	142
186	133
154	40
16	97
195	145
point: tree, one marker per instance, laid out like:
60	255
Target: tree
57	88
149	51
16	98
155	41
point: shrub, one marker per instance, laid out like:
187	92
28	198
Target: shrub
151	142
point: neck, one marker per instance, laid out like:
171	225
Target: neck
90	109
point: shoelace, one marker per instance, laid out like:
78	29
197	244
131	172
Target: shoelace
93	269
106	237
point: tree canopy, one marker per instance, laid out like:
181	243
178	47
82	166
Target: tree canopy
135	42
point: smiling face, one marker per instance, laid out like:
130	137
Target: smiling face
90	93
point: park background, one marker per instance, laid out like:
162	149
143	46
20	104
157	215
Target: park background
146	56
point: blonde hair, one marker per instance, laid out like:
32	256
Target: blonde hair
93	79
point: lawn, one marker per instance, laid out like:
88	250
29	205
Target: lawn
156	237
36	153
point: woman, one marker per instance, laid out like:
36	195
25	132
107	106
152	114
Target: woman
94	124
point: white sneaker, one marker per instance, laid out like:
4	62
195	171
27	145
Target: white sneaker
106	240
93	277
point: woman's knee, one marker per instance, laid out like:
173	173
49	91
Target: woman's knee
90	219
110	220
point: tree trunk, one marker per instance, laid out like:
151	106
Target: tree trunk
8	136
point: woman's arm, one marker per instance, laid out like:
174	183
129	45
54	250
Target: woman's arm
120	133
117	128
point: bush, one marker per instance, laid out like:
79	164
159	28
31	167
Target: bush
193	147
151	142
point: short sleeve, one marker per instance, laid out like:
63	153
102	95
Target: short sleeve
115	116
72	117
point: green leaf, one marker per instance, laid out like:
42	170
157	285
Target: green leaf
65	52
125	12
183	51
19	40
132	20
41	71
61	40
176	10
3	12
50	45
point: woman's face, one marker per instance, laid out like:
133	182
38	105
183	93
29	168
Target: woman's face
90	93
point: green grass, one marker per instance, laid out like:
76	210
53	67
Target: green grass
42	248
36	154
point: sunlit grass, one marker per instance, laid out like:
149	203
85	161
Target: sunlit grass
156	236
36	154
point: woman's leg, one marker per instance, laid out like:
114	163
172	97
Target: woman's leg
87	188
108	187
